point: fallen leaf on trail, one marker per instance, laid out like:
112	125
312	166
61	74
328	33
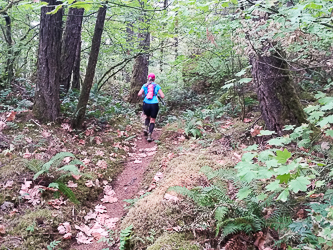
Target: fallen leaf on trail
177	228
101	218
102	164
71	184
67	236
86	161
247	120
105	182
66	126
64	228
128	128
13	212
221	162
116	145
11	116
126	148
2	125
8	184
170	197
111	223
175	142
66	160
98	232
137	161
171	155
260	241
100	209
97	183
112	159
28	139
109	191
89	183
255	130
316	195
89	132
90	216
181	138
2	229
84	153
151	153
81	238
109	199
84	228
325	146
151	149
98	140
27	154
99	153
56	203
45	134
158	176
76	177
83	142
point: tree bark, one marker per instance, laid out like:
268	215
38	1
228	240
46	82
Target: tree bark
90	72
140	69
277	97
71	40
9	69
47	103
76	68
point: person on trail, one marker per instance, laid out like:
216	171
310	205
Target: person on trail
150	104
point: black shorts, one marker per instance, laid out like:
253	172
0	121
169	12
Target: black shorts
150	110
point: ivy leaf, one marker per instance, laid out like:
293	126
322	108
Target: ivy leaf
320	95
273	186
247	157
326	120
284	178
244	192
328	106
289	127
316	115
329	132
284	195
271	163
279	141
282	156
251	148
311	108
299	184
266	132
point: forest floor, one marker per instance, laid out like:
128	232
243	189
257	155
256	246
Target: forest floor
127	185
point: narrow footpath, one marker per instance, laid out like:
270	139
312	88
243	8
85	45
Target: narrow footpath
126	186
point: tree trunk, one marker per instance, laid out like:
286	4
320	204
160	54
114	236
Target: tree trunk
277	97
9	70
90	72
71	40
47	103
165	4
140	69
76	68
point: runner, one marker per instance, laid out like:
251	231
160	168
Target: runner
150	104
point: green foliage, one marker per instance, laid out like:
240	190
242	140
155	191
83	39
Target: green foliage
54	160
62	188
53	244
133	201
125	236
194	128
31	228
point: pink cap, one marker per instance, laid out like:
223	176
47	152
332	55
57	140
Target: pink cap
152	76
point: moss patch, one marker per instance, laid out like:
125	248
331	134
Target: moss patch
173	241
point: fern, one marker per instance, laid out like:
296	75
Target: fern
53	244
67	192
58	157
125	236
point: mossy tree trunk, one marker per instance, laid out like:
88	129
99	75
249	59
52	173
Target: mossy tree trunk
90	72
47	103
278	100
76	68
70	43
140	68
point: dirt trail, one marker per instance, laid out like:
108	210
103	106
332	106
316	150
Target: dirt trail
126	186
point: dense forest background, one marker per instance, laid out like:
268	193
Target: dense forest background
249	104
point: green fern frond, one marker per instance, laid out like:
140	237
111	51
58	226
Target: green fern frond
67	192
